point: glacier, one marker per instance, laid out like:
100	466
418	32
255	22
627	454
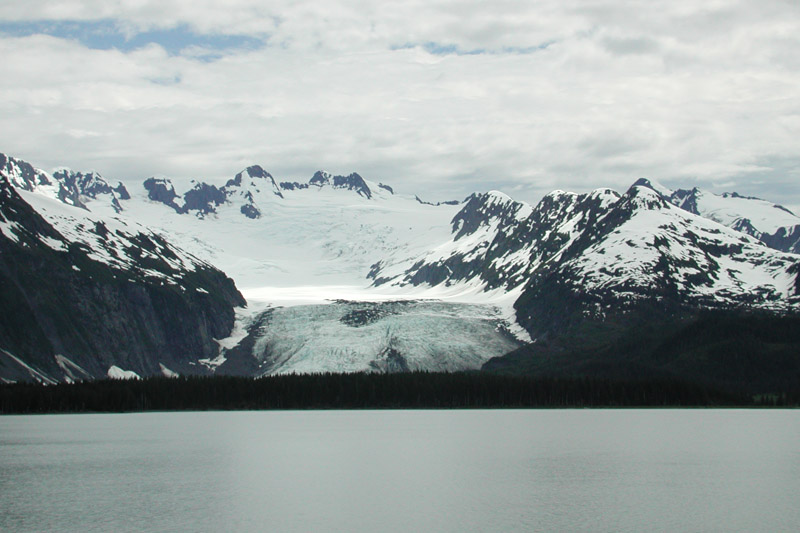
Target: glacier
343	274
353	336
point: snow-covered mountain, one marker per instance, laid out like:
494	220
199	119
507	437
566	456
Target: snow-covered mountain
646	256
496	242
253	191
72	188
588	254
303	249
276	238
288	245
342	273
248	189
773	224
85	296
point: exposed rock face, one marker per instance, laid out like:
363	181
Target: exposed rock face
92	185
353	182
772	224
446	202
87	291
71	188
293	186
601	256
203	199
22	175
644	261
786	239
161	190
68	315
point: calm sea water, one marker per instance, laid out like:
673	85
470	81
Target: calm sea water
562	470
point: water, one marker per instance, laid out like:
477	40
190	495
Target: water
566	470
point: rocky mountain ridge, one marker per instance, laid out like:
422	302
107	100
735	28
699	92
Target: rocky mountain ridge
84	298
573	261
772	224
71	188
252	190
601	251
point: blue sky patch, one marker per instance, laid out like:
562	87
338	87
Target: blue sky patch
442	49
106	34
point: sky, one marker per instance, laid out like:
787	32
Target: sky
439	98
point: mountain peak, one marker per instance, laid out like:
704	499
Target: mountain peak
21	174
352	182
646	197
772	224
91	185
256	171
253	171
559	195
320	178
604	194
497	196
653	185
486	209
237	186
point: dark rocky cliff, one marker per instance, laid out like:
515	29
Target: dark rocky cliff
58	302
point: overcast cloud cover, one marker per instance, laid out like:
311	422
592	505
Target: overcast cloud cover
439	98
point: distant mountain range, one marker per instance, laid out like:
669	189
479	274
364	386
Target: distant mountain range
592	255
90	296
343	274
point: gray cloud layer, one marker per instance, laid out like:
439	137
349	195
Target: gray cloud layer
438	98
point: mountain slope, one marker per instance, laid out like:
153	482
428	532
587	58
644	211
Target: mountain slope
272	237
100	297
772	224
72	188
498	242
598	254
747	352
344	274
648	256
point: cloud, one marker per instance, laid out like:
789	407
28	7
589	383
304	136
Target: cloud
107	34
438	98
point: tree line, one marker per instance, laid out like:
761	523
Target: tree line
412	390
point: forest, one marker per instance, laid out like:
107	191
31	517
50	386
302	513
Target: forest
412	390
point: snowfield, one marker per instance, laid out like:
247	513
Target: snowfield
315	237
343	274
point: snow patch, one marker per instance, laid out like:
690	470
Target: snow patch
34	373
166	372
212	364
243	318
115	372
11	230
72	370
